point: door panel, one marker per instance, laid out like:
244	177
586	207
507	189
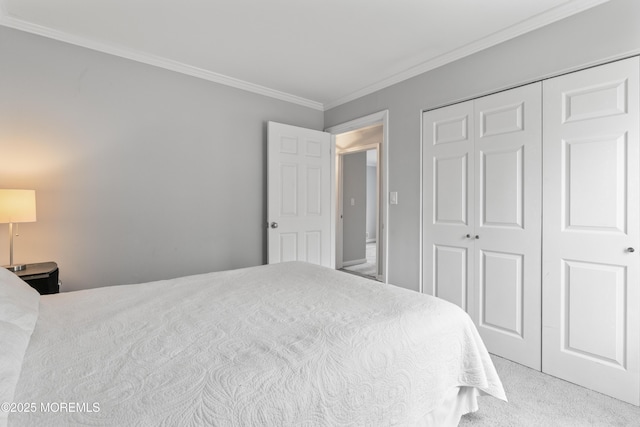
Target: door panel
601	100
314	191
501	291
450	126
591	320
501	120
450	272
508	223
502	198
288	189
451	190
595	304
288	247
448	200
595	196
314	246
299	199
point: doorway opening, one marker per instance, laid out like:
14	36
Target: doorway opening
360	196
358	207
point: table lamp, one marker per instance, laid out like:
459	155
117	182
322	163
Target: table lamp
16	206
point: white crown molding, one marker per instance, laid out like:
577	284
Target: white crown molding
534	23
157	61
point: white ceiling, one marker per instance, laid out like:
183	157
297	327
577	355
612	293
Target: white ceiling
318	53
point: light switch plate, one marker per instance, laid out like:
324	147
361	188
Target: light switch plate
393	197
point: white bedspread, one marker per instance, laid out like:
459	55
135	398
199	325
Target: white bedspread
284	345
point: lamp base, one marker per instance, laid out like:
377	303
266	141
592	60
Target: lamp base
15	267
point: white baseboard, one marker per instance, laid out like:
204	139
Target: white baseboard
354	262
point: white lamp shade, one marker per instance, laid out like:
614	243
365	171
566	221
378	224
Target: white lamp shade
17	206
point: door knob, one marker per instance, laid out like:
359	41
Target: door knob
630	250
468	236
477	237
274	225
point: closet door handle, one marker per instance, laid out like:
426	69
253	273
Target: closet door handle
468	236
630	250
477	237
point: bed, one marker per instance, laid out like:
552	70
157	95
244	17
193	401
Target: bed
290	344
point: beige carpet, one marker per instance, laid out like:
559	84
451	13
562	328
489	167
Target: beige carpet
536	399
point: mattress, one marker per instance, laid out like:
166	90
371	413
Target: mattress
290	344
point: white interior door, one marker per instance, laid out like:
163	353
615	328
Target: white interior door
591	286
508	156
448	169
299	195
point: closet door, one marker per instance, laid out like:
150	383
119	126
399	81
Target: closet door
591	286
448	202
508	185
481	222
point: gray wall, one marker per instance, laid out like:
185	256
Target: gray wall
140	173
608	31
354	185
372	201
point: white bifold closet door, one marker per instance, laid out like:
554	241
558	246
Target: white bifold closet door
591	280
481	216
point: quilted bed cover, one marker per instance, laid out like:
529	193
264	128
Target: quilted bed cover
291	344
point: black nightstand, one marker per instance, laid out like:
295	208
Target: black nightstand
42	276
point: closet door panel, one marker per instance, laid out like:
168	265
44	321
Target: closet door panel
595	197
502	187
450	186
501	290
508	223
448	202
450	267
591	307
